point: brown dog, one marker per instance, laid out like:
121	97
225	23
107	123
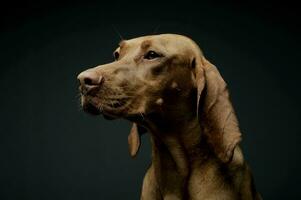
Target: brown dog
164	85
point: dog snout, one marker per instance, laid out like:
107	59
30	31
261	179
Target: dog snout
89	80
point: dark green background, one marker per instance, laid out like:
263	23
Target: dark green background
50	149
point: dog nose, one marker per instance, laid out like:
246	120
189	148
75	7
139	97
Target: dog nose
89	78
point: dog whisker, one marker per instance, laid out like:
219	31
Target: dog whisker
118	33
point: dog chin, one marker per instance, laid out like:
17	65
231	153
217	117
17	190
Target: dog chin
91	109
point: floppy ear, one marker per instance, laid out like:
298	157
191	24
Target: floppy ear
215	112
134	139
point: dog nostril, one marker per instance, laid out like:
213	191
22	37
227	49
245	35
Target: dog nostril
88	81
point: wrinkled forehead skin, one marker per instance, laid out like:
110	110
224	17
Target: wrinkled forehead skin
167	44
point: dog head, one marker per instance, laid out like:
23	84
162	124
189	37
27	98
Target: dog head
162	78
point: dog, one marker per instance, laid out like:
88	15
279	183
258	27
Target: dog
164	85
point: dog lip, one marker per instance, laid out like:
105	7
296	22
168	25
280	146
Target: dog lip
108	113
118	104
109	107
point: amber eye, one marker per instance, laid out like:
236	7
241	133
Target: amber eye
116	55
151	55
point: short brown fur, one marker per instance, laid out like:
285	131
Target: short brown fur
181	99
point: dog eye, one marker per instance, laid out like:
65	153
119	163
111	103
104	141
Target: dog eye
151	55
116	55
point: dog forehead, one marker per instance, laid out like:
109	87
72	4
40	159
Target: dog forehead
171	42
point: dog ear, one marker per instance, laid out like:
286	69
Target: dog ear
215	112
134	138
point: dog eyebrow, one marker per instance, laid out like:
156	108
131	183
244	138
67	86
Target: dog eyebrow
146	44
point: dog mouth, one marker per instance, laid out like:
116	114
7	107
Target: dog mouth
110	108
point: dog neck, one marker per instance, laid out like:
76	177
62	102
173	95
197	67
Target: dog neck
174	149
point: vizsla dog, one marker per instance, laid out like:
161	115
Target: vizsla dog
165	86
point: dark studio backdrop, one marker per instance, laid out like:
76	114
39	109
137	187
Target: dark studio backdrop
50	149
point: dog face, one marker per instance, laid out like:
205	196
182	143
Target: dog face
148	74
163	80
